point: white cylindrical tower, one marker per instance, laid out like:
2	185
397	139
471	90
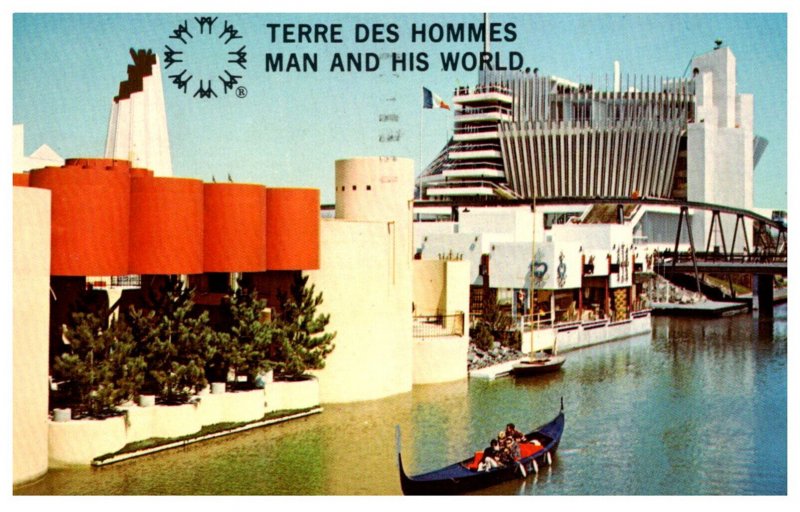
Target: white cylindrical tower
365	278
381	189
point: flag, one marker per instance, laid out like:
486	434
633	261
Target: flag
432	100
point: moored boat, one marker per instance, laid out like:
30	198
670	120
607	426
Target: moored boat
537	365
463	476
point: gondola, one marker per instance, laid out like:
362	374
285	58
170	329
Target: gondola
459	478
537	365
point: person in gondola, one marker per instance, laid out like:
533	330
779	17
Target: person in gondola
516	435
510	453
490	456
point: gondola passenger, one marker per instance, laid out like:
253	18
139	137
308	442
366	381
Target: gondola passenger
490	456
511	431
510	453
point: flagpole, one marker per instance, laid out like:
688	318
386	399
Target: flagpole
420	138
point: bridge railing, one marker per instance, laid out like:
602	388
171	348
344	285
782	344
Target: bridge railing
755	256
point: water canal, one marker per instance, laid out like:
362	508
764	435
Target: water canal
698	408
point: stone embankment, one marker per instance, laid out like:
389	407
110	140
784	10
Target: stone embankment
477	358
660	290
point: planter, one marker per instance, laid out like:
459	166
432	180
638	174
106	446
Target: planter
61	415
264	379
217	388
147	400
295	394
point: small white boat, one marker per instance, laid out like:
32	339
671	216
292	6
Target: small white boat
540	363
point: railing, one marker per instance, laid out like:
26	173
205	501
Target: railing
484	110
482	88
491	146
543	321
665	258
432	326
465	130
129	281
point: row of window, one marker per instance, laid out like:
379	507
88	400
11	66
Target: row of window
355	187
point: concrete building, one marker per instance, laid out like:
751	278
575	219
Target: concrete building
365	275
564	285
108	223
522	135
394	321
44	156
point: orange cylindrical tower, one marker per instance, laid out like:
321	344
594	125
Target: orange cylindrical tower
21	179
293	218
234	221
106	164
90	207
166	226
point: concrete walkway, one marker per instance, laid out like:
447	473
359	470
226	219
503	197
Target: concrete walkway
494	371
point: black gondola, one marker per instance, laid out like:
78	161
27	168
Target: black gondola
458	478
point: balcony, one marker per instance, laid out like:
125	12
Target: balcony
494	113
479	171
474	134
481	94
461	188
475	151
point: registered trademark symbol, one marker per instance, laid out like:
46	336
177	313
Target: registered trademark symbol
241	91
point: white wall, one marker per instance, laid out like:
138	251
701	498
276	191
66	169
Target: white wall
78	442
366	279
511	224
441	287
468	246
30	335
372	358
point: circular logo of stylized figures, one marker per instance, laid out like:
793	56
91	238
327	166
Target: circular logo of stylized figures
185	36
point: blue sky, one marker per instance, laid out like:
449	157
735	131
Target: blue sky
292	126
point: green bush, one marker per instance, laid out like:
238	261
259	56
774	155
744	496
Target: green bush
175	344
299	341
493	325
243	342
99	369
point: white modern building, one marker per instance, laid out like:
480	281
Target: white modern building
521	135
571	284
44	156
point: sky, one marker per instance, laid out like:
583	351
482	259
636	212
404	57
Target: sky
292	126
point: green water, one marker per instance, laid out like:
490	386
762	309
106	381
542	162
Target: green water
698	408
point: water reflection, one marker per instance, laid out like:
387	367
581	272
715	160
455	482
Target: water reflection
685	411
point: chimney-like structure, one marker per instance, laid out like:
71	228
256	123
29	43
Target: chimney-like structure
137	126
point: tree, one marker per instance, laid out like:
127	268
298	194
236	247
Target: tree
174	343
493	325
299	342
99	367
243	343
